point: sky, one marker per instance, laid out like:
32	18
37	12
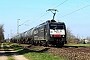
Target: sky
75	14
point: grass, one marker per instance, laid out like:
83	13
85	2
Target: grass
35	55
5	47
42	56
70	44
8	43
10	58
17	47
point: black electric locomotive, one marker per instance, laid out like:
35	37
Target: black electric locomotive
49	32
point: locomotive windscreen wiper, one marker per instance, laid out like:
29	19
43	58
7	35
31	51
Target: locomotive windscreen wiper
54	28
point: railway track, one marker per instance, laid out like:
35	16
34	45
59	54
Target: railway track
72	53
77	48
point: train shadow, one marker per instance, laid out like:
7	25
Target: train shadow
24	51
21	52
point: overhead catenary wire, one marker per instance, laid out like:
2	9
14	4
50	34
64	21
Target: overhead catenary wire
61	3
48	12
74	11
53	8
63	15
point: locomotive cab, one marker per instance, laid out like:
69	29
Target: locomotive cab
57	33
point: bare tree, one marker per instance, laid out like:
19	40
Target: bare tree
88	38
1	33
70	36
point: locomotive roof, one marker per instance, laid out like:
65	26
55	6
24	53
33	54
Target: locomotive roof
49	21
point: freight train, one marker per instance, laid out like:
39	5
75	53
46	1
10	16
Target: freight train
49	32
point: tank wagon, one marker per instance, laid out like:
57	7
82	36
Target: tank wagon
49	32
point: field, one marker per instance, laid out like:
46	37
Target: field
70	44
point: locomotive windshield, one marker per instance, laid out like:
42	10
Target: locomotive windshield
56	26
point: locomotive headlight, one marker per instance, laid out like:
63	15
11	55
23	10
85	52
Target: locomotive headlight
63	36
